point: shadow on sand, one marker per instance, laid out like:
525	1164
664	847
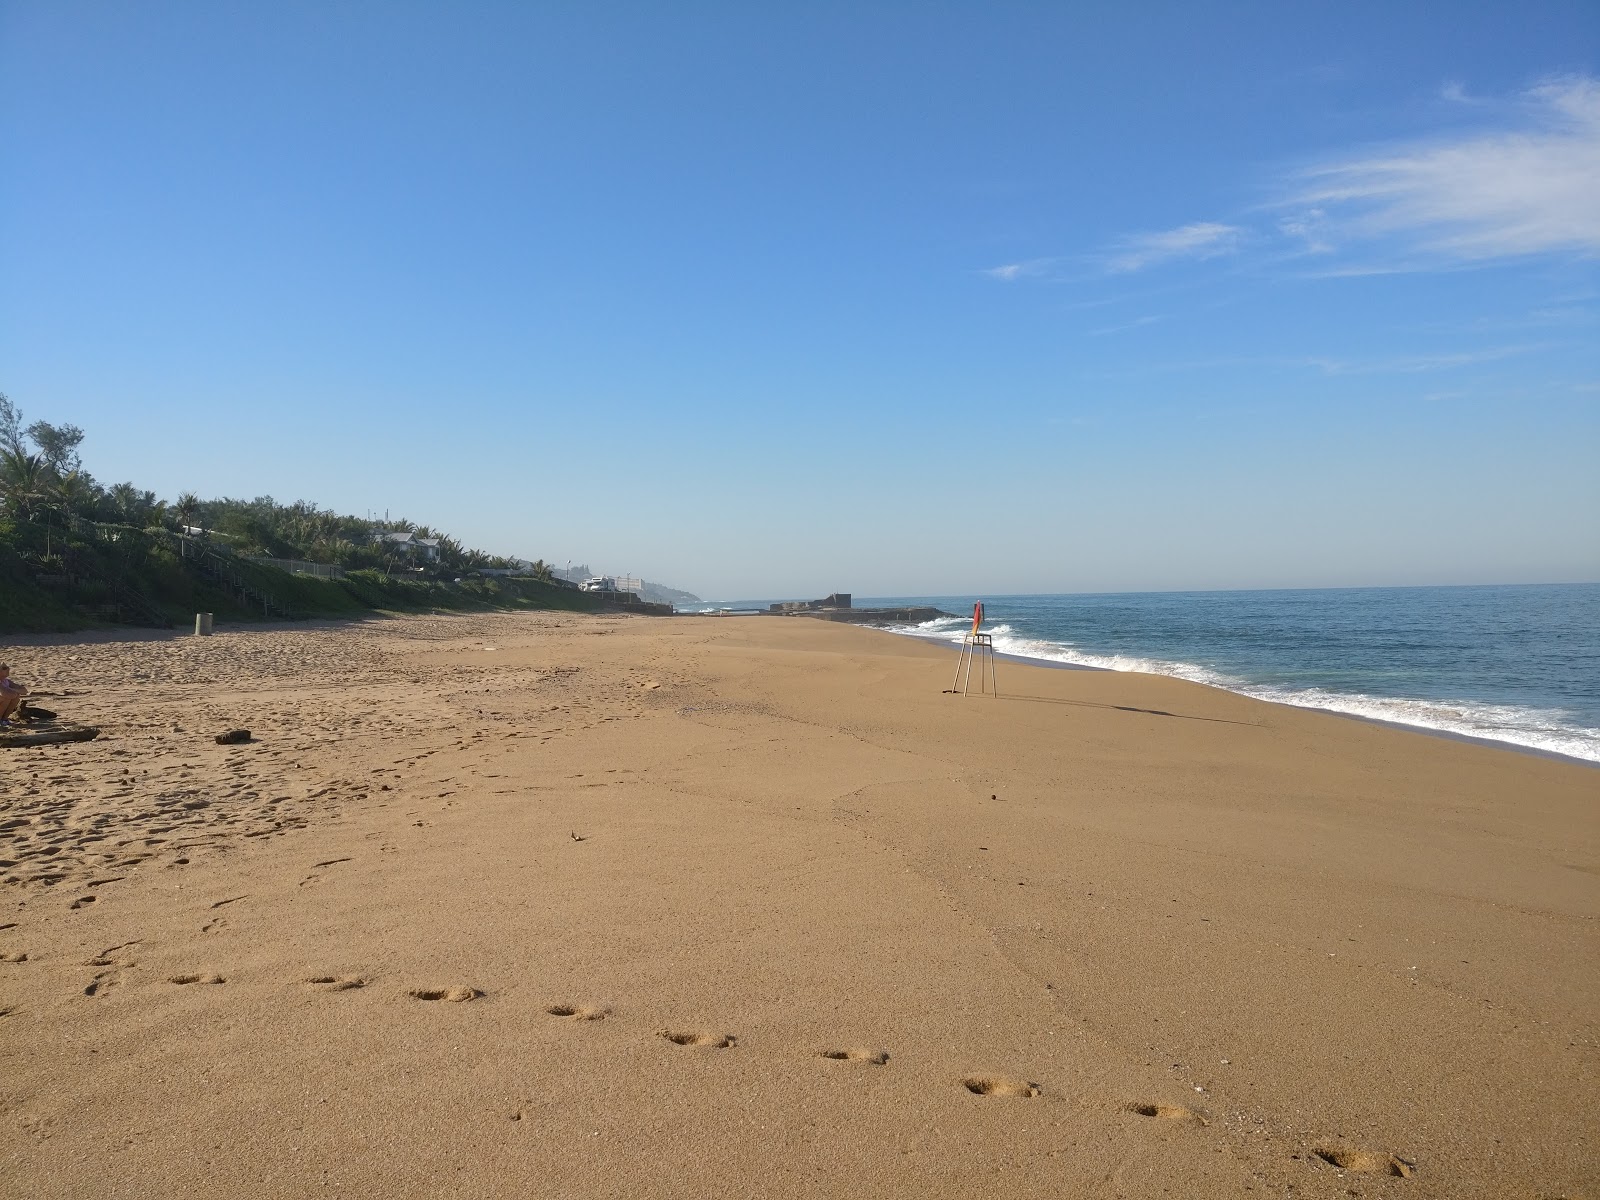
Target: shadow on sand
1153	712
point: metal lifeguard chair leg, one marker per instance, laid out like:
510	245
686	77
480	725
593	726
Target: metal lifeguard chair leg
981	647
960	658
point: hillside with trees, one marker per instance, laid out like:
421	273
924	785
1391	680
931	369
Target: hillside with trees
76	552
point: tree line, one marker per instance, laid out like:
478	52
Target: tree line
43	481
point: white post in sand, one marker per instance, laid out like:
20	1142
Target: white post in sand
202	624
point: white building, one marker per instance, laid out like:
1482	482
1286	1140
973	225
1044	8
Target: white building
419	549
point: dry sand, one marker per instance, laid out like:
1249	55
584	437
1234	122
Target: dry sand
543	906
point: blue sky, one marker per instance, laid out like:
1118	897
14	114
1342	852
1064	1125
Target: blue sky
887	298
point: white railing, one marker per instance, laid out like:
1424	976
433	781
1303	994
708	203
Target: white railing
297	567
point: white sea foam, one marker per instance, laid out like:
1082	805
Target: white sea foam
1531	728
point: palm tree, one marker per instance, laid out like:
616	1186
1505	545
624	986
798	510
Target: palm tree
186	508
124	498
450	552
71	493
24	479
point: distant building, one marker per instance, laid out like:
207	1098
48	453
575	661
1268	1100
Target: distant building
418	549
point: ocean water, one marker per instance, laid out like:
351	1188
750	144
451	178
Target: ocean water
1516	664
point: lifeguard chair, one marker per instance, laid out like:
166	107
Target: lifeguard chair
978	646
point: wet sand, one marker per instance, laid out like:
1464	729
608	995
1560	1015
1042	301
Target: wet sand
553	905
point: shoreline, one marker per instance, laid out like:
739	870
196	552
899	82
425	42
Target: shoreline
135	635
1389	723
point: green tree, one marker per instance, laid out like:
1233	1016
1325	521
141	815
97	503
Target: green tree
11	434
451	553
124	499
187	510
72	493
57	444
152	510
24	482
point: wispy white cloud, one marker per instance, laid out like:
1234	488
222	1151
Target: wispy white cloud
1560	312
1412	364
1136	323
1309	228
1514	178
1359	270
1201	239
1406	364
1030	268
1529	186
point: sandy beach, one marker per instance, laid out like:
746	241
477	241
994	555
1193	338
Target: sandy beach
552	905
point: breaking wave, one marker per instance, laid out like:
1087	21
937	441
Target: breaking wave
1550	731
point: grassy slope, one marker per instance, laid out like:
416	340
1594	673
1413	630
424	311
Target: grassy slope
178	592
25	607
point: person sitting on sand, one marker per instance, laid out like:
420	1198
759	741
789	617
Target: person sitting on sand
11	694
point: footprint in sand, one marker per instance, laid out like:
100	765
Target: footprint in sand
1165	1112
455	994
1368	1161
40	1129
337	983
104	981
196	979
580	1012
82	902
716	1041
19	957
858	1054
316	873
995	1085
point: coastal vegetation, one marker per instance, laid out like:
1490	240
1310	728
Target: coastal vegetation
76	552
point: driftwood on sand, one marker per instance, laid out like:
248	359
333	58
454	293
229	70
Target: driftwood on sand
12	738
